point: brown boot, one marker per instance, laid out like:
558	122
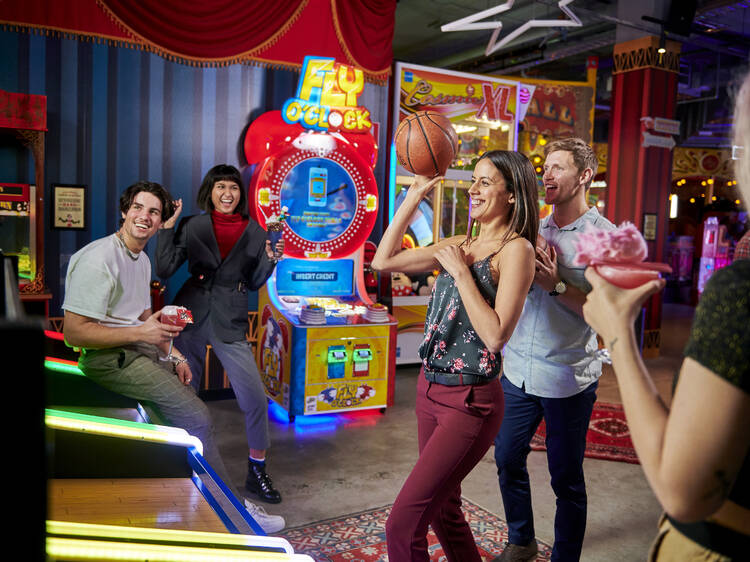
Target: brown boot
518	553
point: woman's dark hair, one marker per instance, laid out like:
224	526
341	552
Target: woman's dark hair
222	172
520	179
126	199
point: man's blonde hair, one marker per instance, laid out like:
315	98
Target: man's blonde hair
583	155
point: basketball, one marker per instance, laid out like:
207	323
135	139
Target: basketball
426	143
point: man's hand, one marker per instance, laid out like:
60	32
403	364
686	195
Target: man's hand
169	223
545	274
184	373
154	332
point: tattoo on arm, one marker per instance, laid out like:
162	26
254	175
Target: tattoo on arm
723	486
612	344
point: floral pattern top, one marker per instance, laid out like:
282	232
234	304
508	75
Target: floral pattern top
450	345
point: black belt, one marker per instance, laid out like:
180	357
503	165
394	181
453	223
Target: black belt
457	379
717	538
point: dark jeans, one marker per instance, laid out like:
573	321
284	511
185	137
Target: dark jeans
455	426
567	421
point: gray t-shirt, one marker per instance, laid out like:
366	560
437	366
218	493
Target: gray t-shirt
104	282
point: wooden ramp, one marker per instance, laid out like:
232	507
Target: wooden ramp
160	503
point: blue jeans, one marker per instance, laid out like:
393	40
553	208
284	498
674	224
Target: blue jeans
567	421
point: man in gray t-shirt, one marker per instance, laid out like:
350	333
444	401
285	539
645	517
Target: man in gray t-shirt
124	347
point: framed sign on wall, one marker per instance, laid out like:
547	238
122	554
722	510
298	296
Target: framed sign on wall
69	207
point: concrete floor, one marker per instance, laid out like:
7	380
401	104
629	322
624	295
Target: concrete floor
359	462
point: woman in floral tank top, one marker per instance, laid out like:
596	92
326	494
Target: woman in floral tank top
475	304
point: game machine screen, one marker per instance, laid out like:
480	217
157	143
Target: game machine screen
482	110
323	344
18	227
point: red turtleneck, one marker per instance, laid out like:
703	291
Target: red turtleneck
228	229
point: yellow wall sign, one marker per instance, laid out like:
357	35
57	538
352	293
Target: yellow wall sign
327	98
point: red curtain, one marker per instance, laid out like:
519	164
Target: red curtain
209	29
274	32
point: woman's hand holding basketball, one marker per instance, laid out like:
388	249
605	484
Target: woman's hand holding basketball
422	185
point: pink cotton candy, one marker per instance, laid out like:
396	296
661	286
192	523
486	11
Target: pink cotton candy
625	244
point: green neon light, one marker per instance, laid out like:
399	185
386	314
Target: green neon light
100	419
63	368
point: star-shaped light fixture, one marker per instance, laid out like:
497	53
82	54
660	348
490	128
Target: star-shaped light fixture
473	22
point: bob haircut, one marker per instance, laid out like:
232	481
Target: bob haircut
221	172
126	199
520	179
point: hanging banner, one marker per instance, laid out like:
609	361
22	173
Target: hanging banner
483	109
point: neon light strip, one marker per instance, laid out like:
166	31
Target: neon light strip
141	533
62	366
392	179
54	335
71	421
80	549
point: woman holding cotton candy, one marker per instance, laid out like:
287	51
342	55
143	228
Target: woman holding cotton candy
228	254
695	453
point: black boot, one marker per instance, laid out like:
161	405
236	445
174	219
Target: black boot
259	483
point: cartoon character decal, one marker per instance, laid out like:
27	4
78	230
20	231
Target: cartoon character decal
346	395
274	347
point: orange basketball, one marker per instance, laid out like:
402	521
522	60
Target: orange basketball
426	143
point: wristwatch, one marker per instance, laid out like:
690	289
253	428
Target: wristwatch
559	289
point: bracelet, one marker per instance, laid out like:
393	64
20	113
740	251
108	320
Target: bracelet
176	360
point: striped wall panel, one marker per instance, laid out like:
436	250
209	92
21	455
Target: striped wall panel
118	115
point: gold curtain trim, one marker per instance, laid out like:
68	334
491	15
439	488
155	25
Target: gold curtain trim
380	75
136	43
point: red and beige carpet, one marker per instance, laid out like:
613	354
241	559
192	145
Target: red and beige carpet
608	437
360	537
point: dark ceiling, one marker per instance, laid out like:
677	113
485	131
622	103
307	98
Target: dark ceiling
714	53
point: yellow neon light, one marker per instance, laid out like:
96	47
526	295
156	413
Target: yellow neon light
78	549
88	530
171	435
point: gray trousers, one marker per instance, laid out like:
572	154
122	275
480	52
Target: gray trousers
242	372
135	371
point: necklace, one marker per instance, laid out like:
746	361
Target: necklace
133	256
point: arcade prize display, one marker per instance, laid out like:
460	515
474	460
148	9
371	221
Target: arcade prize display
484	112
18	227
323	345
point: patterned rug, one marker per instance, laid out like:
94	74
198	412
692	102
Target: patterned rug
608	437
360	537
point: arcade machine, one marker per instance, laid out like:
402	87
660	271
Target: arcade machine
323	345
715	251
18	227
483	111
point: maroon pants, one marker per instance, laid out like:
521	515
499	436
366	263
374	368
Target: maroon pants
456	426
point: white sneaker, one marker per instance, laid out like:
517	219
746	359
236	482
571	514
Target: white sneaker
269	523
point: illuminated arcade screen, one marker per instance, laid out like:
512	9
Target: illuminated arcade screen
321	198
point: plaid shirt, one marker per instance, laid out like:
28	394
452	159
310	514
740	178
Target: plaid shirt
742	250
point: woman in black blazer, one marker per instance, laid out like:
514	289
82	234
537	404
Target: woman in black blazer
227	254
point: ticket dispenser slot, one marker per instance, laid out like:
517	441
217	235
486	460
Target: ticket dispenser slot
337	357
362	357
